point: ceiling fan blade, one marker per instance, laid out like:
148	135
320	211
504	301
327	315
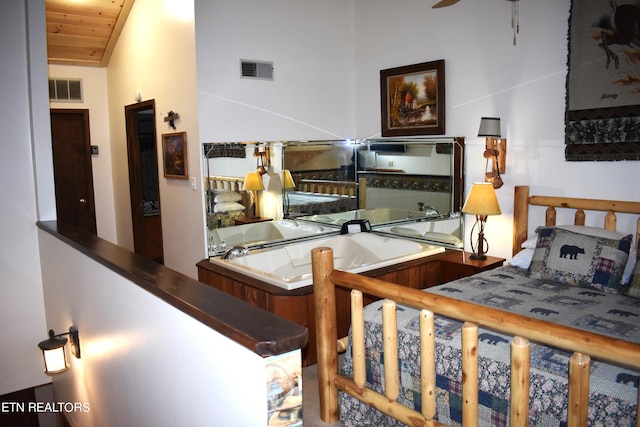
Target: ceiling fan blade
444	3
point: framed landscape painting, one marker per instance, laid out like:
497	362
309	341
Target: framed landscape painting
412	99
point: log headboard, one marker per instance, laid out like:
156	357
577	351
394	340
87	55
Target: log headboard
344	188
522	202
231	183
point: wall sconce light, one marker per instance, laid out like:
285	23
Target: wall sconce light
495	149
252	184
261	153
287	184
482	201
53	351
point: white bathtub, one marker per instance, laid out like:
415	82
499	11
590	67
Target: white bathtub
375	216
447	231
265	232
289	267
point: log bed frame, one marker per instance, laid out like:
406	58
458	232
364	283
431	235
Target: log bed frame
344	188
231	183
584	345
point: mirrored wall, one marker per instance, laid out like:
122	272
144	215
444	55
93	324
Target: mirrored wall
313	187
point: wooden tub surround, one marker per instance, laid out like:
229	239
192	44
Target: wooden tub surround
297	305
583	344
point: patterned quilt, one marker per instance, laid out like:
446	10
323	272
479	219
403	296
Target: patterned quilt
318	204
614	390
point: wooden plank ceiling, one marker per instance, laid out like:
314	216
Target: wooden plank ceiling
84	32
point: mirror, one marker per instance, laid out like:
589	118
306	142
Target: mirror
387	181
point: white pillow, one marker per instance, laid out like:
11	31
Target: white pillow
523	258
227	207
628	268
227	196
530	243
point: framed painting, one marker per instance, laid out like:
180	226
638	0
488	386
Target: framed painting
412	99
602	117
174	153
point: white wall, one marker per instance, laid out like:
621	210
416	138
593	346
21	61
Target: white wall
311	46
95	95
143	362
156	56
486	75
21	305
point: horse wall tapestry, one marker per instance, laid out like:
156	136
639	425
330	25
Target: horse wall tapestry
602	118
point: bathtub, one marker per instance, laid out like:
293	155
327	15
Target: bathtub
448	231
263	233
289	267
375	216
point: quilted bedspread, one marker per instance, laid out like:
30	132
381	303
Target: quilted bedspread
613	400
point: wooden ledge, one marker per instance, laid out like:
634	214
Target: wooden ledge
254	328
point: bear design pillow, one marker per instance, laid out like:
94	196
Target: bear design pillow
580	259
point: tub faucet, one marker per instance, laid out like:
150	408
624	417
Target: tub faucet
235	252
428	210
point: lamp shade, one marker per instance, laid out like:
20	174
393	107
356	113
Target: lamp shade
490	127
287	180
252	182
53	353
482	200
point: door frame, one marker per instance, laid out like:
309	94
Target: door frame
86	200
139	221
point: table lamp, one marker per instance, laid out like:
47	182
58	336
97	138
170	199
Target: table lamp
252	184
482	201
287	184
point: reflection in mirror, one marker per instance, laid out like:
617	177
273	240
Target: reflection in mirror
388	181
380	180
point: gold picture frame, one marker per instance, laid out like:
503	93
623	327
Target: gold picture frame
174	155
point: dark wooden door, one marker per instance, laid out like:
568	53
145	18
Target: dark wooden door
73	174
143	180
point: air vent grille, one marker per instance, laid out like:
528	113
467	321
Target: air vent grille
68	90
256	69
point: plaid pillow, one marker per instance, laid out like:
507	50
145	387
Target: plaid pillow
579	259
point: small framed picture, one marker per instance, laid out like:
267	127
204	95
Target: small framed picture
412	99
174	153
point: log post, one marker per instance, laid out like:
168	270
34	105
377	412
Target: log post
357	339
390	345
578	405
428	363
469	374
520	382
327	337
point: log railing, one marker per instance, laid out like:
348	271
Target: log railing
583	344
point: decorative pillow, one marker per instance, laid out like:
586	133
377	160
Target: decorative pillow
609	234
634	282
227	207
593	231
579	259
227	196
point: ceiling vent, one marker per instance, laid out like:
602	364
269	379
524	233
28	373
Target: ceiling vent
67	90
256	69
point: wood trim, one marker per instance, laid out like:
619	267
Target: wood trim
265	334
